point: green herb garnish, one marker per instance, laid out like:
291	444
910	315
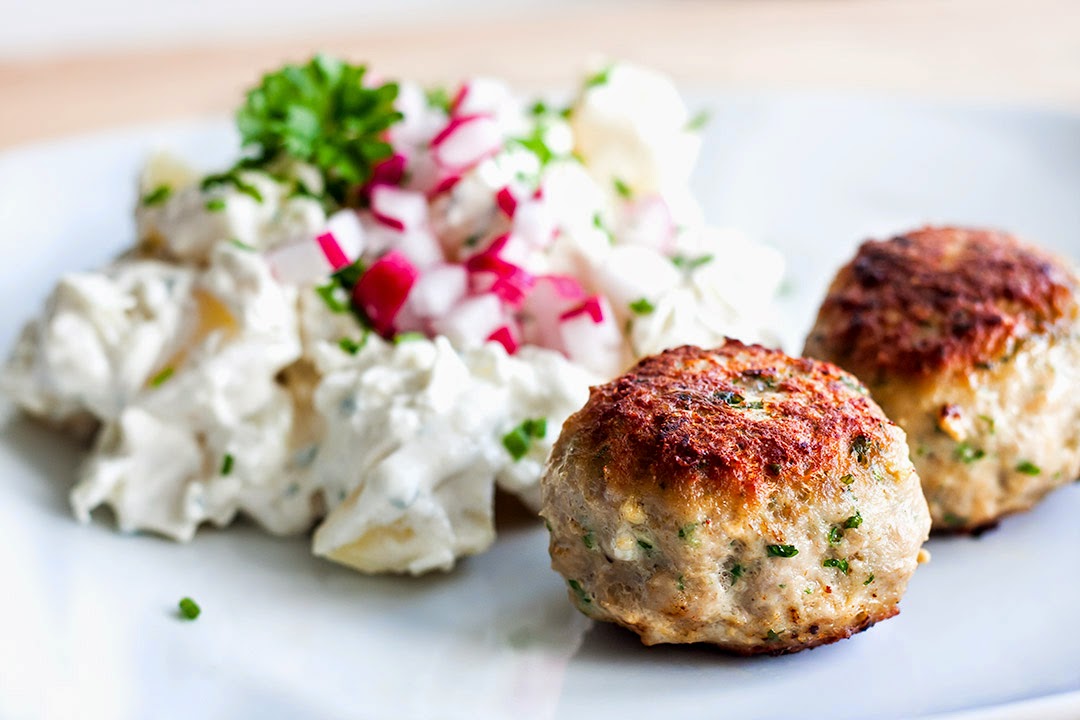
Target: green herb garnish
352	346
645	545
869	580
642	306
410	336
589	540
689	264
698	122
736	572
189	609
215	204
847	479
161	377
227	464
784	551
332	294
438	98
622	189
686	533
599	78
854	521
860	445
579	591
241	244
518	440
836	534
967	454
841	565
320	113
772	636
1028	468
728	397
157	196
232	177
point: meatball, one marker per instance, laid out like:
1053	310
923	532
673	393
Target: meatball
734	496
968	340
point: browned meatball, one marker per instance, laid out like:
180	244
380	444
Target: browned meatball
969	341
734	496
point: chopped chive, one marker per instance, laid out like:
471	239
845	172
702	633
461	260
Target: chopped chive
157	196
736	572
841	565
622	188
989	422
642	306
161	377
772	636
352	346
516	443
589	540
686	533
784	551
860	445
968	454
579	591
1028	468
847	479
189	609
689	264
598	78
330	294
410	336
836	534
680	584
215	204
241	244
854	521
227	464
869	580
699	121
645	545
731	398
535	427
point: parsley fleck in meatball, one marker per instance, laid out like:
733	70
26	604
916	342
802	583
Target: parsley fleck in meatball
968	340
734	496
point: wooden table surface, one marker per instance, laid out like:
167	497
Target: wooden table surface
987	50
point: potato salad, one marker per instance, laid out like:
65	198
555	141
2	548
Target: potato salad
385	310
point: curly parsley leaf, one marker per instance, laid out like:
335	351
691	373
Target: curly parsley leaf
320	113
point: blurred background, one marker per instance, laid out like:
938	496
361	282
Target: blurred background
69	66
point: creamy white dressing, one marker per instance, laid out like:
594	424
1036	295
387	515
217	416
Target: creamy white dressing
219	389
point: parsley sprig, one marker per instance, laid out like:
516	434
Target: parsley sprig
320	113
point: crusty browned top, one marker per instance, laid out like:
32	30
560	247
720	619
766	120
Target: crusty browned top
939	298
688	421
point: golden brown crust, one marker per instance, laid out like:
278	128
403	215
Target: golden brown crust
687	423
939	298
806	643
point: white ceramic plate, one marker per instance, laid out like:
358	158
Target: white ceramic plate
87	616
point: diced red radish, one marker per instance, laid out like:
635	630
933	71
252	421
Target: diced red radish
390	171
397	208
465	141
550	297
491	271
348	233
472	321
445	184
421	247
534	223
591	337
438	290
505	337
648	223
506	201
313	260
480	95
383	289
